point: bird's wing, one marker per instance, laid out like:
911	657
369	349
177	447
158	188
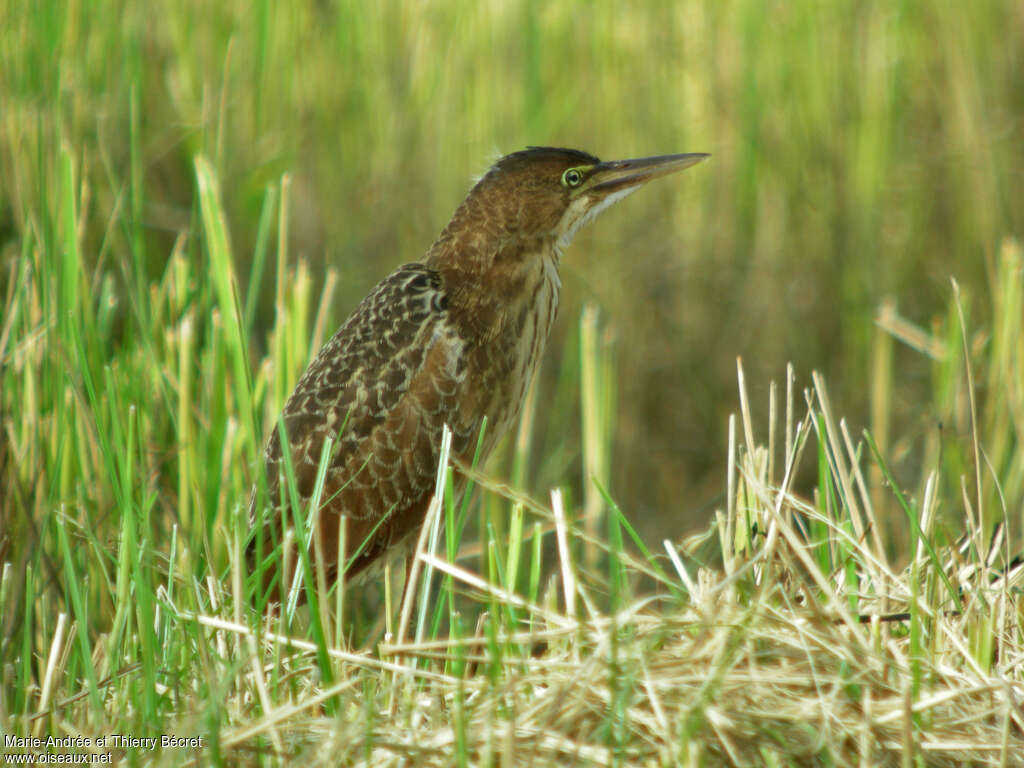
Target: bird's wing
382	388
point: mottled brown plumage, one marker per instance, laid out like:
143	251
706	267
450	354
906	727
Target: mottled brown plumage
451	340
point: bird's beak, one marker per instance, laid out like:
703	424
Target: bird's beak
625	174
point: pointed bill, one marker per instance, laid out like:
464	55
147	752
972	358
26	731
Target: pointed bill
616	175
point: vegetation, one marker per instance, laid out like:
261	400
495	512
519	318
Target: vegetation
188	208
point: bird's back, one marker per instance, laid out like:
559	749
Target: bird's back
383	388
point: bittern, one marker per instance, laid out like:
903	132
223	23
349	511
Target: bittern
452	340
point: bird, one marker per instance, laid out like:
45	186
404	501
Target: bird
453	339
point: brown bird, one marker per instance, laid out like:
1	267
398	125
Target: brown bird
452	340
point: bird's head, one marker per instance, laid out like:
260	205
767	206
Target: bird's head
505	240
544	195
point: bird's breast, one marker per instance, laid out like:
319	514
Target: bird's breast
506	360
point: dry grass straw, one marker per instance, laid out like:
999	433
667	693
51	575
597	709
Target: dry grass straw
771	658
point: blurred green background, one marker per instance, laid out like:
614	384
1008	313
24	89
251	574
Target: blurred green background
862	151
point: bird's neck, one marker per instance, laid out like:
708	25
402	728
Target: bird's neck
492	283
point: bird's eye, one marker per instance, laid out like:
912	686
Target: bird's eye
572	178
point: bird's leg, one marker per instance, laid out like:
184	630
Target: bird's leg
405	611
407	581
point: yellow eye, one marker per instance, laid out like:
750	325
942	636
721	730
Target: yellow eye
572	178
